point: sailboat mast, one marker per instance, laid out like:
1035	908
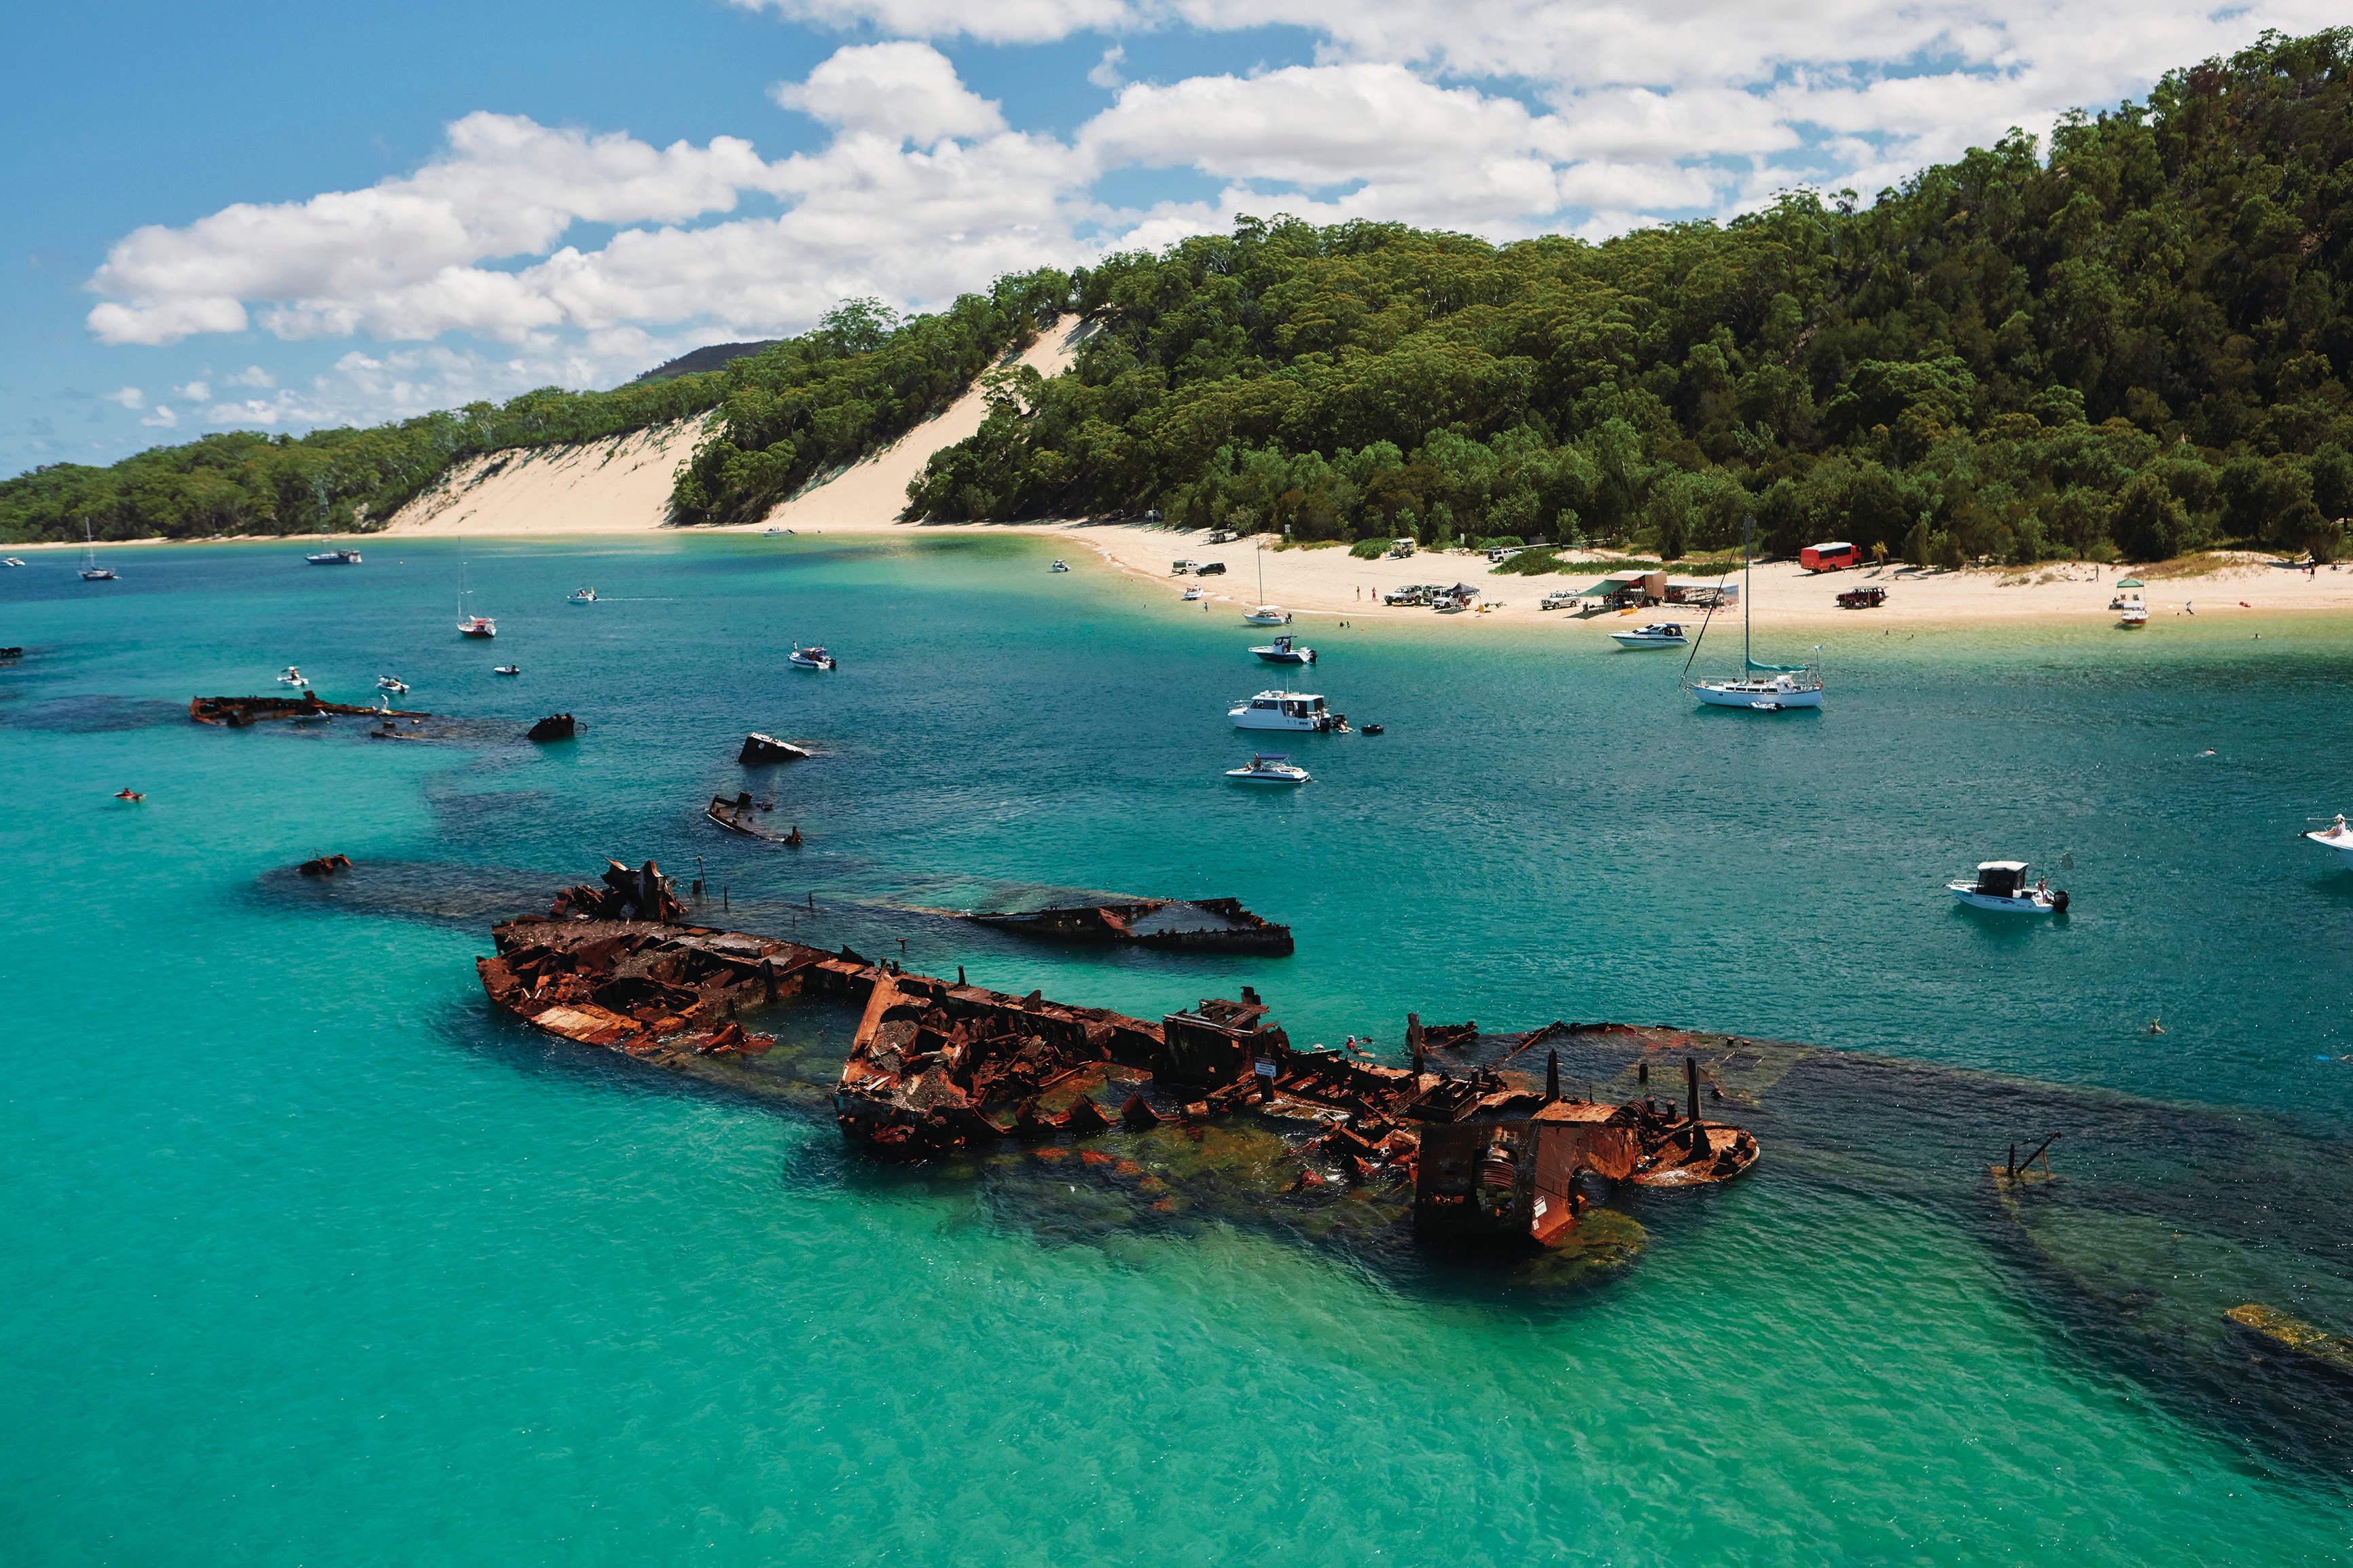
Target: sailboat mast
1747	577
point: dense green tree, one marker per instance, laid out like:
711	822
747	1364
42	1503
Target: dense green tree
2138	339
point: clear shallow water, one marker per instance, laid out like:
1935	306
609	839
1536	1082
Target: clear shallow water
311	1260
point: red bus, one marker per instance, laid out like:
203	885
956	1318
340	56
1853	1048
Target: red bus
1833	557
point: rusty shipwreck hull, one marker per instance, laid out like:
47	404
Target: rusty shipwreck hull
938	1066
236	712
1183	925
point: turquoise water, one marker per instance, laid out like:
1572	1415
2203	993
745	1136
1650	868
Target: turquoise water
311	1259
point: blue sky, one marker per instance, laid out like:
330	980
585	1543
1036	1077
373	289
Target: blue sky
282	216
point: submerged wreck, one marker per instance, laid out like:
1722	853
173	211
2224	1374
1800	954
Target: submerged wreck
1192	925
237	712
941	1068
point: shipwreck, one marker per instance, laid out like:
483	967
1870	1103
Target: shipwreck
1189	925
942	1068
237	712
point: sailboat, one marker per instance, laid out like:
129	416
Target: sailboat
1266	615
1763	688
471	626
92	571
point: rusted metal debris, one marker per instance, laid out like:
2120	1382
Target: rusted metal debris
555	727
761	749
236	712
1192	925
937	1067
325	865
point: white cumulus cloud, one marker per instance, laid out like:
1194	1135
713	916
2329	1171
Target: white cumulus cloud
900	92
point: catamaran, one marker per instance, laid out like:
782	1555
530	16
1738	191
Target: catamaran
1762	687
92	571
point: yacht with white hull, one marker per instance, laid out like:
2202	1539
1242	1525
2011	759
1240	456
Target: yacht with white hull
2001	887
1285	710
1761	687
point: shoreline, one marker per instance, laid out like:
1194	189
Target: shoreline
1322	585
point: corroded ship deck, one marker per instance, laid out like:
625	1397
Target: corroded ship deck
936	1068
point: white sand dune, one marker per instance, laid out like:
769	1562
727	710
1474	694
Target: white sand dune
623	485
620	485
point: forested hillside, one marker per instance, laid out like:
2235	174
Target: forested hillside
859	380
2138	345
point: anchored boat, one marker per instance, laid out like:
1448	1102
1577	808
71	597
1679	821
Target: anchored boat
2001	886
1284	650
2337	837
1285	710
1658	634
1762	687
92	571
810	659
335	558
1268	767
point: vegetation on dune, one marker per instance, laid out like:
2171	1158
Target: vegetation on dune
2138	346
856	382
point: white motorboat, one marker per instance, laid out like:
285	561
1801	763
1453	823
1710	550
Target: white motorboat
1760	688
11	561
1285	650
2337	836
1658	634
92	571
392	684
335	558
810	659
506	669
292	676
1059	566
1193	593
2132	610
581	596
1285	710
1268	767
2001	886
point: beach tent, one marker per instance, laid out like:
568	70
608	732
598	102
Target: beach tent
2130	583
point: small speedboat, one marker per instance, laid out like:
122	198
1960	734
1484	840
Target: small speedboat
131	795
392	683
335	558
1268	767
2001	886
1658	634
1269	616
477	627
11	561
1059	566
1283	650
810	659
2337	836
1193	593
581	596
293	677
506	669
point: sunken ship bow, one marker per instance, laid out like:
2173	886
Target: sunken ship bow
1189	925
